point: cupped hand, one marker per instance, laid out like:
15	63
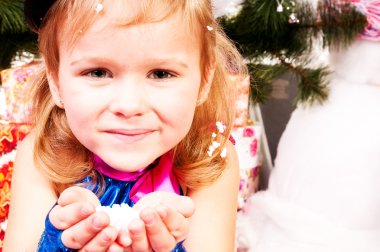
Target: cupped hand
164	221
84	228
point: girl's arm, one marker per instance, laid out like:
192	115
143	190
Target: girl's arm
212	227
32	196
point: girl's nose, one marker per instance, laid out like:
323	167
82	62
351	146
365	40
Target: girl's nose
128	99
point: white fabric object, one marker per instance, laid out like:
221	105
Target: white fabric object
120	215
323	194
225	7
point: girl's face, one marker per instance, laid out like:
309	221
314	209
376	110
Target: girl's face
130	93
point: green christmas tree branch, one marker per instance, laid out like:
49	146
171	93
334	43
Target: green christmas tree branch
261	32
15	36
12	16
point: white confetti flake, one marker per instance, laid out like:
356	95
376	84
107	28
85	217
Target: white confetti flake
99	7
223	154
120	215
215	144
221	127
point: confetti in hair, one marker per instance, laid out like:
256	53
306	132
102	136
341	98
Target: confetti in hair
99	7
221	128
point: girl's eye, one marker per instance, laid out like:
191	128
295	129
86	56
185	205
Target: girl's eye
160	74
98	73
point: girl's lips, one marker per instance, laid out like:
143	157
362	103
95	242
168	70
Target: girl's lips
130	132
129	136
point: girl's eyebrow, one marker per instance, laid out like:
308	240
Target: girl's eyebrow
149	61
89	59
167	61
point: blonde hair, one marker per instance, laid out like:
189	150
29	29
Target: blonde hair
59	154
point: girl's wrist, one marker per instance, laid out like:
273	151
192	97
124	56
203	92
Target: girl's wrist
51	238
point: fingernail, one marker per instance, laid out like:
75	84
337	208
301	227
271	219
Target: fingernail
162	210
86	210
97	223
106	237
135	232
126	241
149	219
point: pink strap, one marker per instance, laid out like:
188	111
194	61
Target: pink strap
157	178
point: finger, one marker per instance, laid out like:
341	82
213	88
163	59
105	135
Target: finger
137	232
75	194
65	217
176	223
78	235
128	249
182	204
159	236
124	238
103	241
185	206
114	248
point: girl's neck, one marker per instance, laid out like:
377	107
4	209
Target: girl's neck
158	176
108	171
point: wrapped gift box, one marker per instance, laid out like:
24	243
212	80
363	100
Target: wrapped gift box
10	135
247	140
16	83
242	101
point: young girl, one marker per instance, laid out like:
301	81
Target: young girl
134	99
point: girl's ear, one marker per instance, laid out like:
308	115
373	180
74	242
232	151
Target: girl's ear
54	89
205	88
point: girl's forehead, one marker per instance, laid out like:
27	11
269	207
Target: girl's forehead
126	12
117	13
108	29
